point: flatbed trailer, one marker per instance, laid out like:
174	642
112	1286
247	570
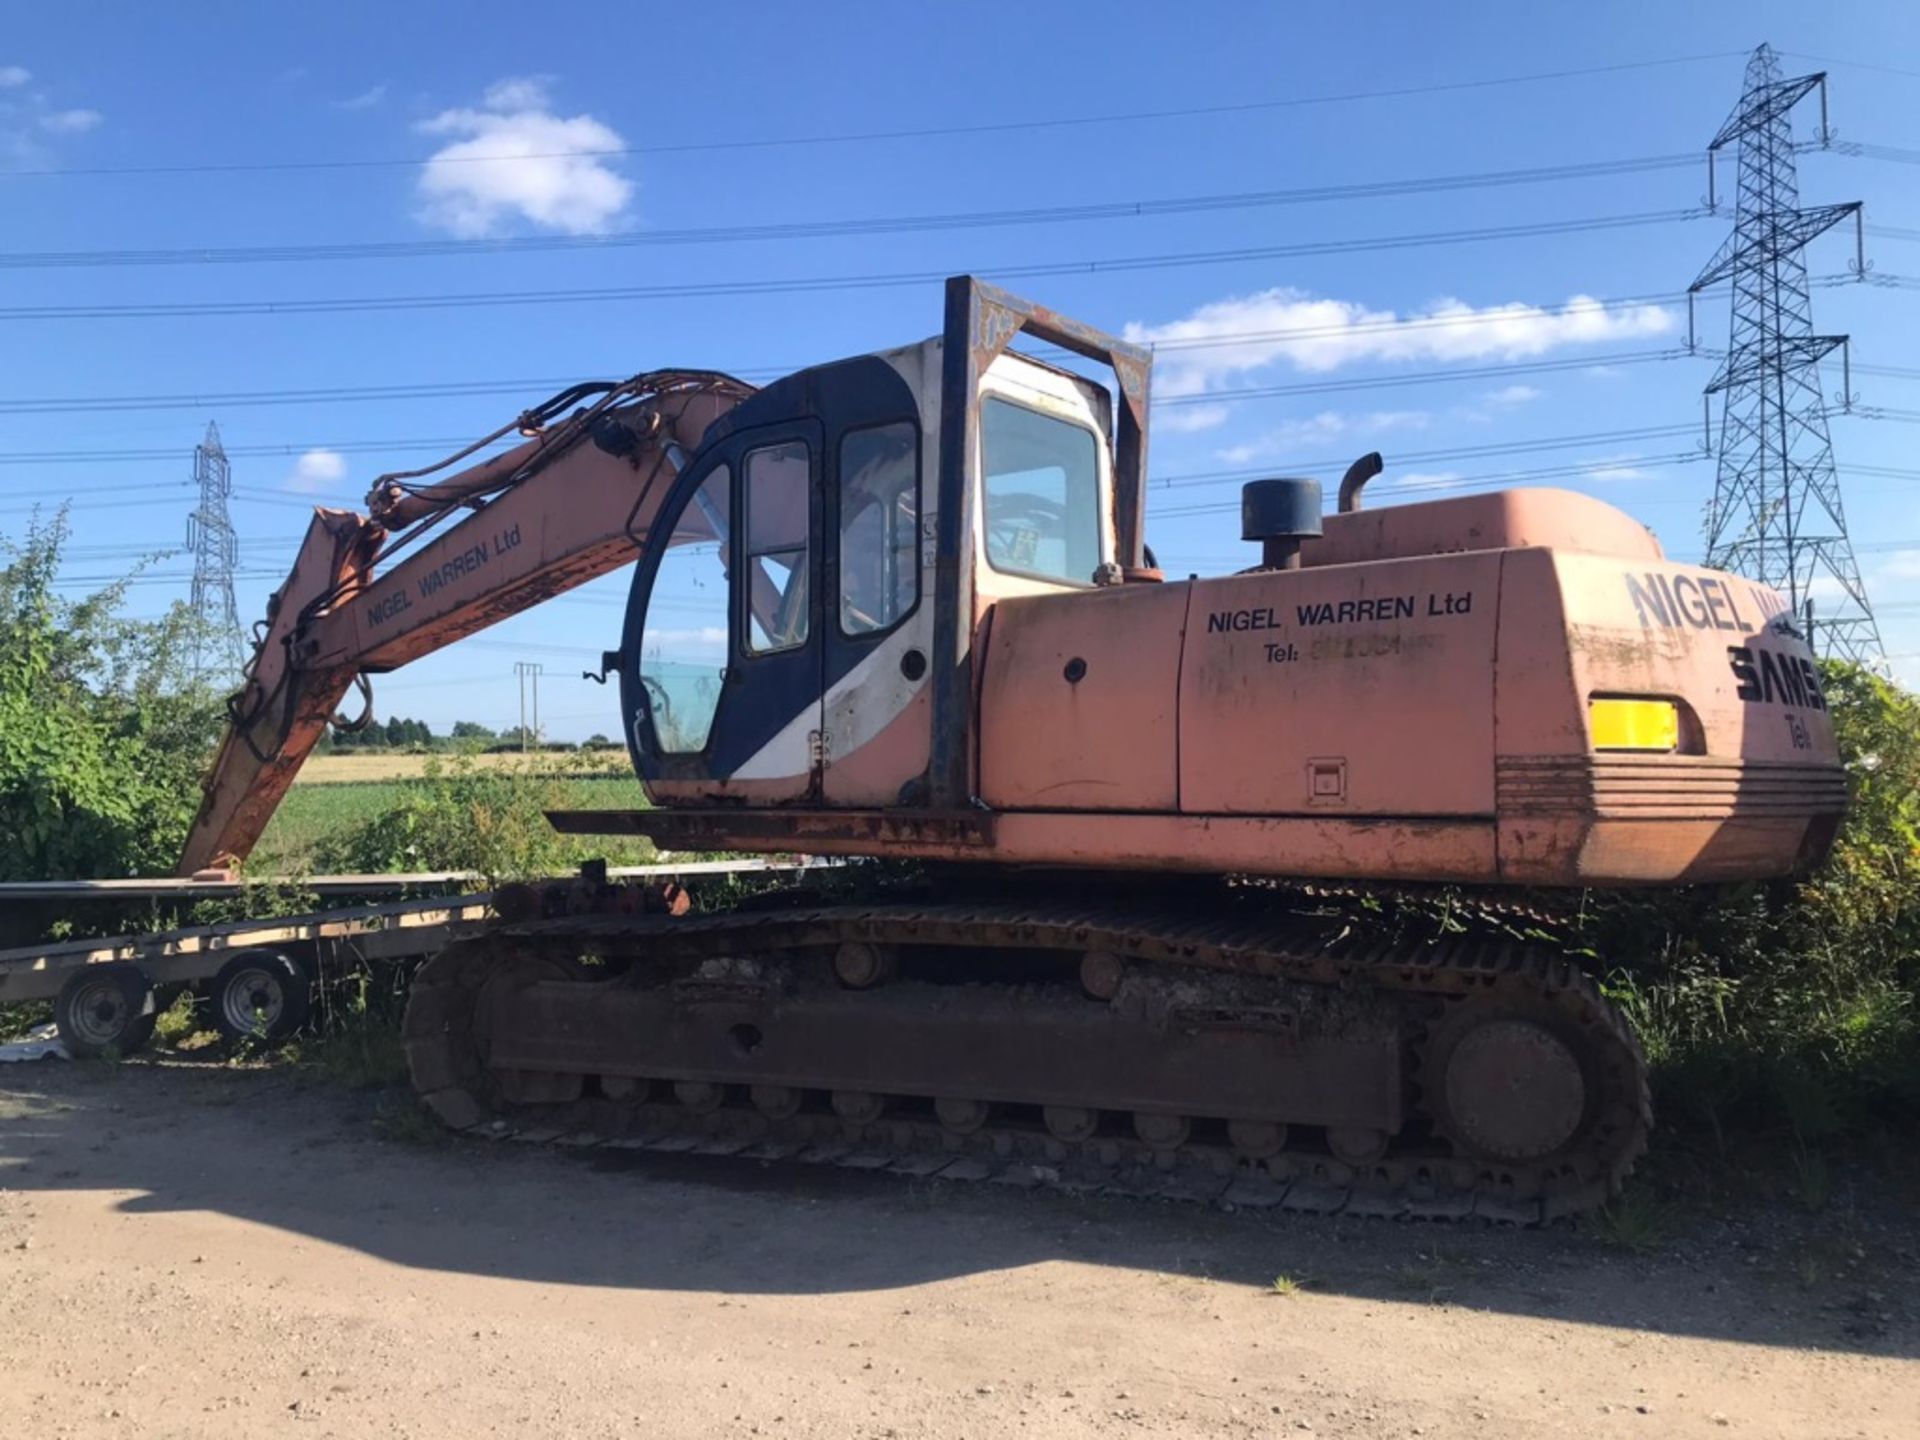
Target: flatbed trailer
259	972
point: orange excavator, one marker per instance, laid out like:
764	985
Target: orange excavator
902	606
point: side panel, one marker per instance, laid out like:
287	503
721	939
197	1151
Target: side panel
1345	690
1756	783
1079	701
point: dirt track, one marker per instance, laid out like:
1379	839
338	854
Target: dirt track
213	1253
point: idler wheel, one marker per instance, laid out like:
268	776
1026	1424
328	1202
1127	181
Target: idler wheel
1513	1089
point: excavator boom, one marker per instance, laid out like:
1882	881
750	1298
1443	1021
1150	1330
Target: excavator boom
369	593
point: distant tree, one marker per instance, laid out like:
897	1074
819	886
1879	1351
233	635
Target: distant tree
471	730
597	742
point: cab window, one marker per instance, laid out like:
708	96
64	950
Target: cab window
1042	493
879	527
683	645
775	589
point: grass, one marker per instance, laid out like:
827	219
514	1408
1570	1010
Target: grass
1633	1221
316	815
357	1045
1431	1275
402	1119
1288	1286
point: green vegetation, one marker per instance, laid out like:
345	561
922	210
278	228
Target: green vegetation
457	815
1789	1009
103	737
461	816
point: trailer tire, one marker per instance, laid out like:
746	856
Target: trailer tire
104	1008
261	995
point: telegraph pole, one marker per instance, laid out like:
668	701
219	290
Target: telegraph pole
527	670
218	649
1776	513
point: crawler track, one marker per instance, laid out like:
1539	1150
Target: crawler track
549	1030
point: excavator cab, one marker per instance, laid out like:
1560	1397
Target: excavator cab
803	613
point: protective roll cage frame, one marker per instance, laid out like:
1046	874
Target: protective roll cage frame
982	320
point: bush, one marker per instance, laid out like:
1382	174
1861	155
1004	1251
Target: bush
462	816
103	737
1792	1004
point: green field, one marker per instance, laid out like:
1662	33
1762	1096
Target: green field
314	814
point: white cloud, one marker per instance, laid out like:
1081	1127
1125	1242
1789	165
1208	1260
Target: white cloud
518	92
27	120
365	100
317	470
1425	479
1902	565
1289	439
475	185
1187	419
1825	588
1616	467
1316	334
1511	395
70	122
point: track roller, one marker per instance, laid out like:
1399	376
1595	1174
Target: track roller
862	1107
1257	1139
1071	1123
1162	1132
1356	1144
776	1102
700	1096
961	1117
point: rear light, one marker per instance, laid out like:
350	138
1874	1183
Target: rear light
1634	724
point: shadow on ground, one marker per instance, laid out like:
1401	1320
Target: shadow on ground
262	1146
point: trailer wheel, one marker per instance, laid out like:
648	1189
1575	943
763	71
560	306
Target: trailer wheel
261	995
105	1008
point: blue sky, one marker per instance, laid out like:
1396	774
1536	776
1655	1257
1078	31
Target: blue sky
125	118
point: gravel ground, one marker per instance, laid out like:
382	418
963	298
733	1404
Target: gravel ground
209	1252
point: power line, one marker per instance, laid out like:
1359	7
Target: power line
350	447
1413	490
834	229
1428	457
1421	377
868	136
810	284
84	404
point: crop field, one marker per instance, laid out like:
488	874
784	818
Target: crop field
349	793
347	766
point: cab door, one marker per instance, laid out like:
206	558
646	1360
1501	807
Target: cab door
722	668
876	724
